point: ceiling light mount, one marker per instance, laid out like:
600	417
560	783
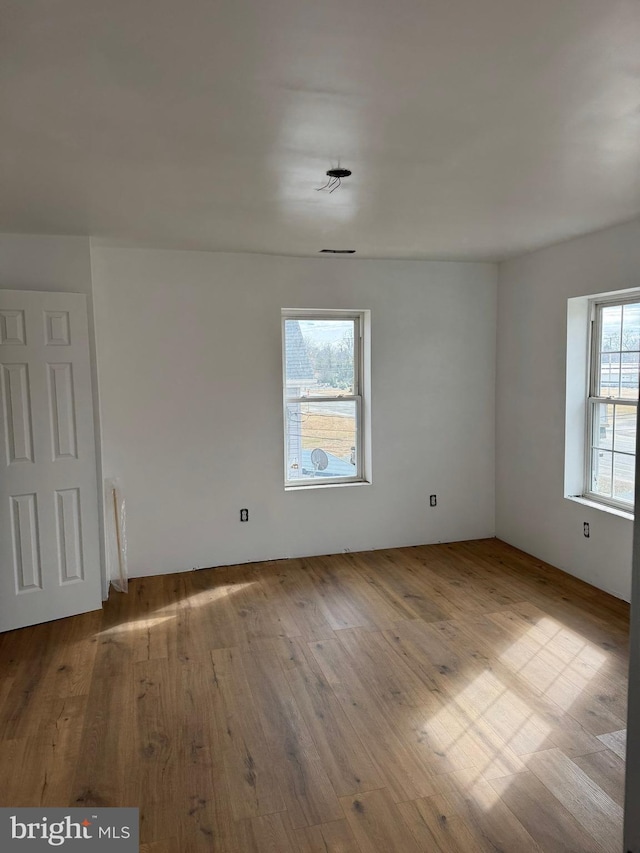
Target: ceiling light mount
338	173
335	177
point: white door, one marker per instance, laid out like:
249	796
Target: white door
49	555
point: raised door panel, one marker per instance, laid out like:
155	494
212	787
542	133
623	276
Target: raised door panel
12	328
62	415
16	395
69	518
26	543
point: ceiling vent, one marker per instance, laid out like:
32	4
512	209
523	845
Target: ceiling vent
337	251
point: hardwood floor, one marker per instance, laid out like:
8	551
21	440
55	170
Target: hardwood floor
460	697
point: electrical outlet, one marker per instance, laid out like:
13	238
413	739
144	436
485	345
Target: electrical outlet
244	515
433	500
585	530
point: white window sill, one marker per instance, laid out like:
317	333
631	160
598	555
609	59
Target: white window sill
303	486
612	510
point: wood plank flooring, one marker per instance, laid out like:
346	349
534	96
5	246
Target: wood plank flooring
462	697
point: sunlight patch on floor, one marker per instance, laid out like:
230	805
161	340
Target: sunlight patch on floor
489	725
208	596
554	661
135	625
494	726
169	612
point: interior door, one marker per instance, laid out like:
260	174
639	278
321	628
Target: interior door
49	554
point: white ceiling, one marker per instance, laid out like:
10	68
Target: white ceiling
474	128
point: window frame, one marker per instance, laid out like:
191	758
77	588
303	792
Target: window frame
594	370
358	317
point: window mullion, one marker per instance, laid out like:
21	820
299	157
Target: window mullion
615	401
344	398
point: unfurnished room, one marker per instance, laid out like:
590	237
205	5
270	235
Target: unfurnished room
319	376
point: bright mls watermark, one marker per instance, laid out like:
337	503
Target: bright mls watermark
36	829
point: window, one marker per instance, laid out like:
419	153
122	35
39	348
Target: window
323	358
612	404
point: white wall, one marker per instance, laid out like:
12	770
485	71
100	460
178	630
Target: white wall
189	359
531	511
36	262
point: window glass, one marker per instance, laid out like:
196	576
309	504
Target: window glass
615	377
323	402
